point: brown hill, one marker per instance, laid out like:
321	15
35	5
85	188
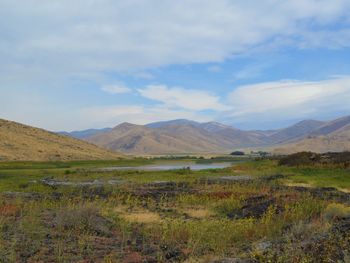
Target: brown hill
186	136
20	142
139	139
332	136
178	136
295	132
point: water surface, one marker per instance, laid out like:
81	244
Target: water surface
171	166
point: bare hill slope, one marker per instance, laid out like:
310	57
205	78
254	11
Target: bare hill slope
332	136
22	142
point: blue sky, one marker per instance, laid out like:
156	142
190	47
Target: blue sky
96	63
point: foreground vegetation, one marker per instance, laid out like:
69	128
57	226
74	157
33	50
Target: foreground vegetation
257	211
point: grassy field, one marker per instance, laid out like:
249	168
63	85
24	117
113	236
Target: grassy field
256	211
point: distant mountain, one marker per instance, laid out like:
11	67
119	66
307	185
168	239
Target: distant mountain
161	124
187	136
84	133
176	136
20	142
173	138
296	131
332	136
333	127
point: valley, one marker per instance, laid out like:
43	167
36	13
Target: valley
252	211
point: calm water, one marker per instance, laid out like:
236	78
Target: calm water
171	166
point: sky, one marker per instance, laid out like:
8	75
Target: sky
252	64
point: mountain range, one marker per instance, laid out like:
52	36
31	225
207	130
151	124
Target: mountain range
186	136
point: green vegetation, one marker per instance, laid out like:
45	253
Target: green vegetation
76	212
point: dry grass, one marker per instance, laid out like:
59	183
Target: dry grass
198	213
299	184
21	142
142	217
319	144
138	216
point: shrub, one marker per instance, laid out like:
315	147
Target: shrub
303	210
203	236
336	211
83	220
237	153
228	207
301	158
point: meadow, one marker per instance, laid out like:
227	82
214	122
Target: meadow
254	211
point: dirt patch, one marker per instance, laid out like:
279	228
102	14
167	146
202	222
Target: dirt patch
9	210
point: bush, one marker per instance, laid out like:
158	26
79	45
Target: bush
237	153
301	158
341	159
205	236
83	220
336	211
229	207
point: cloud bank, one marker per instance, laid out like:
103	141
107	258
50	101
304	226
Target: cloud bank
188	99
52	47
118	35
291	99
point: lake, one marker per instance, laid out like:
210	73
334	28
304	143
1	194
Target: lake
171	166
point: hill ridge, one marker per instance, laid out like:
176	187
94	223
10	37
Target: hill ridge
20	142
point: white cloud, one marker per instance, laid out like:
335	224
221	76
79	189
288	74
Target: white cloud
251	71
109	116
291	99
65	37
177	97
116	89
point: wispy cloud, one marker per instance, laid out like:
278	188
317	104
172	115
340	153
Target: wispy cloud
109	116
116	89
291	99
250	72
48	47
178	97
112	35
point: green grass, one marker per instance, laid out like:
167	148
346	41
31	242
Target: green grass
315	176
72	224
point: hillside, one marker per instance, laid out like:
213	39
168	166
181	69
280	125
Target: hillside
21	142
332	136
84	134
296	131
140	139
176	136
